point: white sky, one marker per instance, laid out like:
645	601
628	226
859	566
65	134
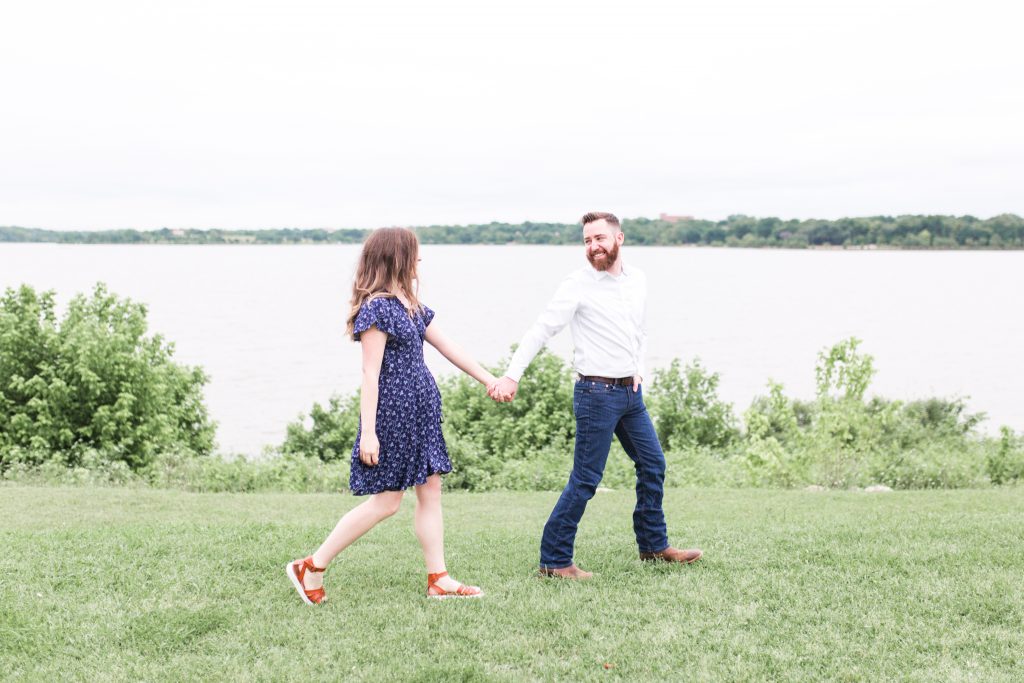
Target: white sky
223	113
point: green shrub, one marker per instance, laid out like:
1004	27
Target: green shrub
843	372
842	440
540	417
941	416
526	444
839	440
775	416
94	382
686	409
212	475
935	465
1004	463
706	468
92	399
93	469
523	445
331	433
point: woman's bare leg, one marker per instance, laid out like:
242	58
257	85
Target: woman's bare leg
429	523
354	524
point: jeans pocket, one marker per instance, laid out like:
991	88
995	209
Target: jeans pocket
594	387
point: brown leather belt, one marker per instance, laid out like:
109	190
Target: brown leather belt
617	381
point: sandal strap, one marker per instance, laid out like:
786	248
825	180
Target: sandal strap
308	564
461	589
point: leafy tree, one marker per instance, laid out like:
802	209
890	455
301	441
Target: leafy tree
95	380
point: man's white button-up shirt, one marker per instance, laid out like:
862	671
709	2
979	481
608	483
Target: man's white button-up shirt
606	315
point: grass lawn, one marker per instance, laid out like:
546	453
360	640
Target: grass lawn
145	585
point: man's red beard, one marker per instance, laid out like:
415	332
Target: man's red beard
608	261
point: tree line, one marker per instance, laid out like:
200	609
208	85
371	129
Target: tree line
1005	231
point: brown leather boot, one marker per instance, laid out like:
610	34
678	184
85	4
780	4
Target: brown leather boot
670	554
570	572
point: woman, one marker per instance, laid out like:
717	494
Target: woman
399	443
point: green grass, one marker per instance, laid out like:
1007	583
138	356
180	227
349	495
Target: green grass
122	584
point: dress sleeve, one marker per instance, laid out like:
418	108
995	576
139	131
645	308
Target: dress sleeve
428	315
374	313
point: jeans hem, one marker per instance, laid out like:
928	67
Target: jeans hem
550	565
666	547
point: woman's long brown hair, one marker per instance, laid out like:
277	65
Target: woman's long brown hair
388	260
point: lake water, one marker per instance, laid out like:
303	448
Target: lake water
267	322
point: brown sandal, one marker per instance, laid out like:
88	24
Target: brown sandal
297	572
463	591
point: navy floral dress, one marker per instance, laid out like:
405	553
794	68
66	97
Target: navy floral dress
408	404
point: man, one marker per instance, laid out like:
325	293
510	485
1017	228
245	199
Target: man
604	305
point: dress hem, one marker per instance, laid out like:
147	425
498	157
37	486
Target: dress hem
417	482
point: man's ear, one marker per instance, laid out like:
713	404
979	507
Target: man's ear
620	238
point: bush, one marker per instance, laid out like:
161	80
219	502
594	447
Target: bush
540	417
93	469
331	433
686	409
932	466
186	472
843	372
93	399
1004	463
840	439
493	445
523	445
92	383
212	475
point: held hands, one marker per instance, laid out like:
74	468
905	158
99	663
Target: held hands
369	449
503	390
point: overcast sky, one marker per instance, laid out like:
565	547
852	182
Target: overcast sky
224	113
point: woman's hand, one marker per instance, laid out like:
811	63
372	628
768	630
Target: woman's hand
369	449
503	390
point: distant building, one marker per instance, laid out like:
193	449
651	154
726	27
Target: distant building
178	232
673	219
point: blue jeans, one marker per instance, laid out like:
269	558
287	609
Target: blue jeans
603	410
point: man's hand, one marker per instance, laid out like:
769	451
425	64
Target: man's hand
636	382
504	390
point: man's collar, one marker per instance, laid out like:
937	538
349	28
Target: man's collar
601	274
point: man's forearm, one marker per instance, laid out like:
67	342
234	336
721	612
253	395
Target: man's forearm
556	316
529	346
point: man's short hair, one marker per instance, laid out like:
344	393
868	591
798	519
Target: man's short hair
599	215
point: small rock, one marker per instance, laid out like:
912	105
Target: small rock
815	488
878	488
